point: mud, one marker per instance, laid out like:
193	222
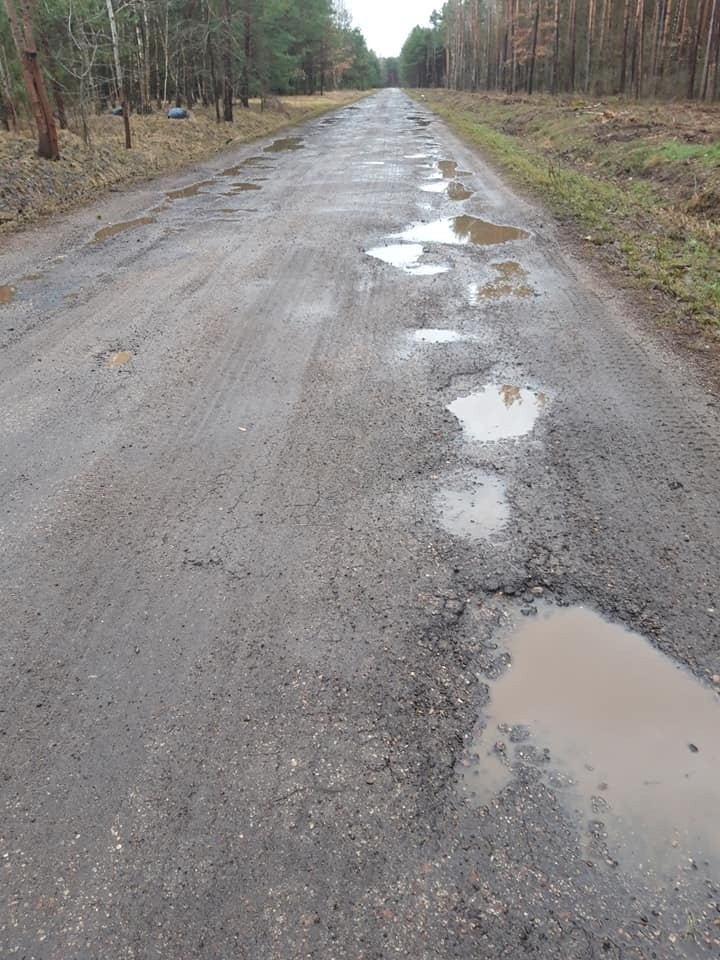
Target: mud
498	412
7	294
242	188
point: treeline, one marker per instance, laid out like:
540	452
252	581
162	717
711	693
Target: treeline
641	48
74	57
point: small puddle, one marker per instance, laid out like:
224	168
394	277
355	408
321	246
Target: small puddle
119	358
498	412
477	513
286	143
458	191
31	276
636	734
415	156
7	294
406	256
447	168
430	335
510	281
114	228
238	167
242	188
192	190
435	186
462	230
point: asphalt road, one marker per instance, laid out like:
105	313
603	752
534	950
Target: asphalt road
246	661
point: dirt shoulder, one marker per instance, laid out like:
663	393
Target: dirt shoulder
638	183
31	188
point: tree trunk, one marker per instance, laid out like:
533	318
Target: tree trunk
54	83
709	49
119	74
623	58
536	24
227	67
590	40
48	147
556	50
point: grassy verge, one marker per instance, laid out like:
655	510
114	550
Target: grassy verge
641	181
31	188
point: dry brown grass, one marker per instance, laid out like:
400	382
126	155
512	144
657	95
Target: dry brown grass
31	188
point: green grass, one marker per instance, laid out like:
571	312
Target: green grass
546	151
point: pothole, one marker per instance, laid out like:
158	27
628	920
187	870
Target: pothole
115	228
406	256
458	191
192	190
632	734
118	358
498	412
510	281
242	188
462	230
475	512
435	186
285	143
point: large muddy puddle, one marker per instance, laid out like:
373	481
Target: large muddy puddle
114	229
285	143
462	230
498	412
406	256
632	737
476	512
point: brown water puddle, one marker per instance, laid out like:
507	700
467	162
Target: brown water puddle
475	513
509	282
242	188
114	228
119	358
636	735
192	190
7	294
462	230
238	167
406	256
458	191
498	412
447	168
286	143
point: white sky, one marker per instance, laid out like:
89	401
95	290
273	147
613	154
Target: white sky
386	23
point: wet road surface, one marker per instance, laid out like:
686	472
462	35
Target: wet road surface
360	559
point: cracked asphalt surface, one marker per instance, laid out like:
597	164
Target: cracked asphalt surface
241	659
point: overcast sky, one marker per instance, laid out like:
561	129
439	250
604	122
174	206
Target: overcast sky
386	23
